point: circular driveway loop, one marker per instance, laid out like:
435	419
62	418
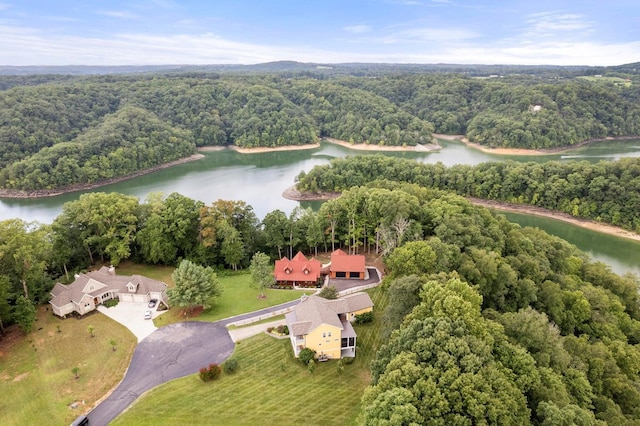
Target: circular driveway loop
170	352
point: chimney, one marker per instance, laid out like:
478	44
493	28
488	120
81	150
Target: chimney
112	270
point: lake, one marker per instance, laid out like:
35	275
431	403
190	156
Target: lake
259	179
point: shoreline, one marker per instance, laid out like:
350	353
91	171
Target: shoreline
369	147
591	225
292	193
44	193
531	152
262	149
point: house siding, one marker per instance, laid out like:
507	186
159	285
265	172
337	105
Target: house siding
352	315
327	345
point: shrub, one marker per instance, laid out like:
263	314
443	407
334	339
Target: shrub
340	367
282	329
311	366
348	360
306	355
210	373
230	366
364	318
329	292
110	303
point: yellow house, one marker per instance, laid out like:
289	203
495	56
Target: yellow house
325	325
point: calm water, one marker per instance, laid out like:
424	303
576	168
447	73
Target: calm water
260	179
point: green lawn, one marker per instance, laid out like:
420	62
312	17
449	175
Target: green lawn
270	387
157	272
605	79
36	382
238	297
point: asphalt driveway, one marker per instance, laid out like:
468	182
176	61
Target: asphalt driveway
170	352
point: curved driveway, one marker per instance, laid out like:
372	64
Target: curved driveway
171	352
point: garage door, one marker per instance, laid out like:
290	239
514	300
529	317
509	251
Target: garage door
139	298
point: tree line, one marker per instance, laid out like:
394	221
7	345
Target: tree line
55	123
607	191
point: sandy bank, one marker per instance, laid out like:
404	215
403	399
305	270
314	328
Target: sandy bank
292	193
41	193
280	148
210	148
525	152
370	147
564	217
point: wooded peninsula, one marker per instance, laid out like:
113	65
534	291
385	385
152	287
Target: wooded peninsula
60	131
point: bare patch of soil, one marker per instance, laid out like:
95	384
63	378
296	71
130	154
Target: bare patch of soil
292	193
20	377
191	313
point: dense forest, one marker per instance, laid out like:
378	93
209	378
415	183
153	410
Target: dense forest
52	124
504	325
608	191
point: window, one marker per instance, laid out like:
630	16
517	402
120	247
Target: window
329	334
324	334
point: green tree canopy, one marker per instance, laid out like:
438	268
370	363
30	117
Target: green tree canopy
195	285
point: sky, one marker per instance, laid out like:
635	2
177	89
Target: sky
158	32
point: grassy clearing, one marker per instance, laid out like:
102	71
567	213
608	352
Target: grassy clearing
604	79
36	382
238	297
160	273
270	387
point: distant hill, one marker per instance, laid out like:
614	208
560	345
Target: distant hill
355	68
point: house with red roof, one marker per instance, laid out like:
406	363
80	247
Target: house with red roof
349	266
297	272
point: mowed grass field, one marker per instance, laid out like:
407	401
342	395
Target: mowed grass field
36	382
238	297
269	388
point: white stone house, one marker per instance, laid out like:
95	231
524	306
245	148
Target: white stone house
96	287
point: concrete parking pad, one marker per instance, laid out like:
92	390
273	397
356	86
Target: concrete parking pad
131	315
242	333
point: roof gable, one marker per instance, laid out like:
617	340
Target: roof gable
297	269
92	285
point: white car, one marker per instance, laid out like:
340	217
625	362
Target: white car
147	314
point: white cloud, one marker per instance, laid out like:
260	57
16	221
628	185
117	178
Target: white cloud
406	2
30	46
423	34
120	14
358	29
549	24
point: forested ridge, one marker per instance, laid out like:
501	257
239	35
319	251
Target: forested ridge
278	109
504	325
608	191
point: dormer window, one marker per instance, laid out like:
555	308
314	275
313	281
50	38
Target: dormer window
306	272
287	270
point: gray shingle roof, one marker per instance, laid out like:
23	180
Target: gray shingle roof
313	311
63	294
